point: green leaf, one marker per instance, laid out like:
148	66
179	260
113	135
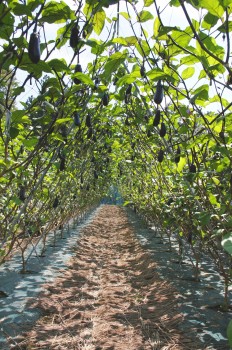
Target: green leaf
57	12
33	4
209	21
17	116
175	3
202	74
129	78
21	10
188	73
213	7
131	40
144	16
37	69
16	200
113	63
63	120
213	200
99	21
97	46
13	132
227	242
18	90
156	74
223	28
204	218
125	15
201	93
229	332
148	3
59	65
84	78
189	60
6	22
30	143
156	27
143	48
182	38
226	2
20	42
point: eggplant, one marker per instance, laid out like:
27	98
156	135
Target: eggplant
159	94
77	119
55	203
156	120
160	156
88	121
128	90
142	71
78	69
34	48
105	99
22	195
62	164
192	168
74	37
177	156
162	130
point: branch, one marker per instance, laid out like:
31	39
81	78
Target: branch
225	64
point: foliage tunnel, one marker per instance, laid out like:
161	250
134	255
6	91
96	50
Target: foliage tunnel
134	95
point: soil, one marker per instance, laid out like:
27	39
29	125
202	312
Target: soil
111	296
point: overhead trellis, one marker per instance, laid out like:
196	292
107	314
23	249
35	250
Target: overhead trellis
131	94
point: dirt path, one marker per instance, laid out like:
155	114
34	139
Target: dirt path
109	298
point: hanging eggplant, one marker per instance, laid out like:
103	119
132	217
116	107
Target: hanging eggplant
177	156
77	119
162	130
62	163
55	203
192	168
105	99
89	133
159	94
34	48
22	195
128	90
156	120
142	71
88	121
78	69
74	37
160	156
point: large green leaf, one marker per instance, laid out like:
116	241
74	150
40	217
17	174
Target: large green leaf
113	63
30	143
145	16
59	65
6	22
188	73
33	4
148	3
227	243
84	78
209	21
213	7
156	74
129	78
57	12
99	21
201	93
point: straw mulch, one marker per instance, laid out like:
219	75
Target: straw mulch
110	297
